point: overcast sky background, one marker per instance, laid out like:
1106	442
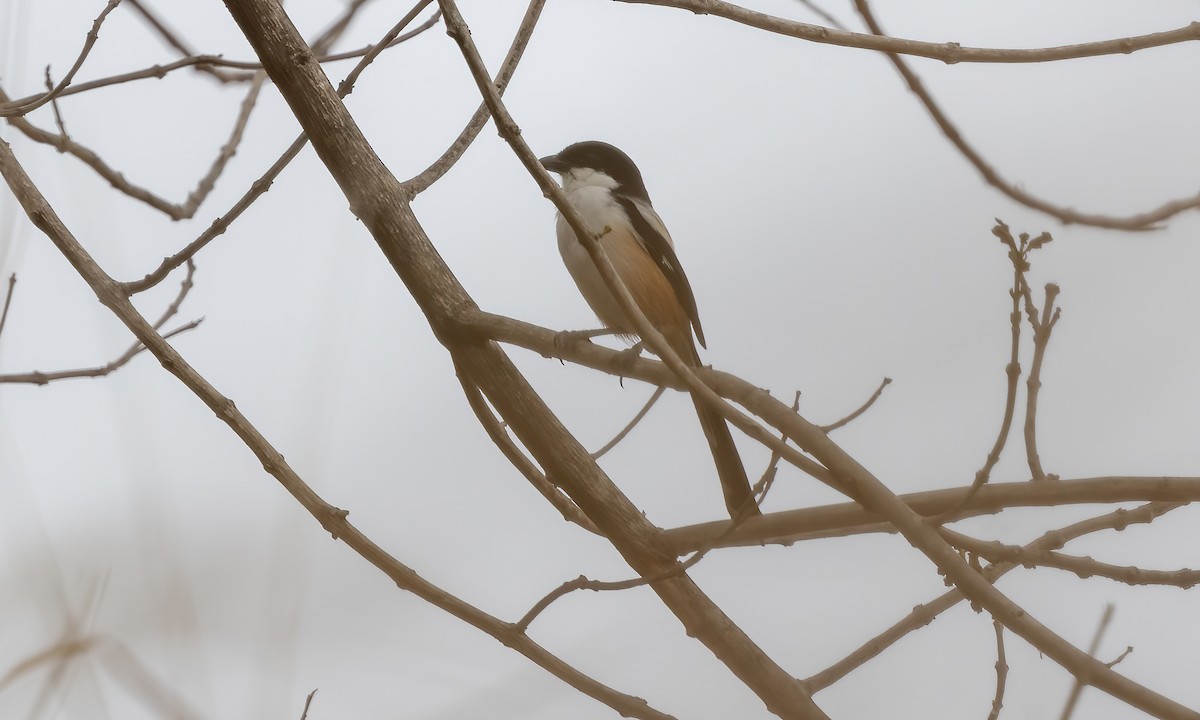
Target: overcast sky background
833	237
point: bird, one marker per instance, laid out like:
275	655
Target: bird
606	189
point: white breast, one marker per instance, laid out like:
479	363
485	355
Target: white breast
590	193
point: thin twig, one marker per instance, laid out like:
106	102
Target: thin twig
43	378
22	107
1001	672
1084	567
58	118
516	50
307	703
180	211
1041	340
854	415
1137	222
12	283
1018	255
1077	688
1124	654
658	393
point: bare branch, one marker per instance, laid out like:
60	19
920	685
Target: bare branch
1001	672
1141	221
1041	340
9	109
172	39
42	378
1084	567
947	52
658	393
12	283
175	211
865	406
58	118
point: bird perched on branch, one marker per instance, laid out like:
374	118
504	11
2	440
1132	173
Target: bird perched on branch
606	188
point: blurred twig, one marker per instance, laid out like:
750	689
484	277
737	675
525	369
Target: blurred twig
1077	688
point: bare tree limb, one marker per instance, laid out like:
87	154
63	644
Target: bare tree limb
1001	672
658	393
947	52
1041	340
862	409
180	211
21	107
1084	567
42	378
12	283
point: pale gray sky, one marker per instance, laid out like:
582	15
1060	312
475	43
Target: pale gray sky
833	237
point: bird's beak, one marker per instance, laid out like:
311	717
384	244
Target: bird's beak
554	164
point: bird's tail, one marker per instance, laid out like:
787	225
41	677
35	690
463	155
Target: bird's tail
739	497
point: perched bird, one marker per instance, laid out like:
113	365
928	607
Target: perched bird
606	188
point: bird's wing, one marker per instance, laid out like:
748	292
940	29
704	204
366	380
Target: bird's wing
657	242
